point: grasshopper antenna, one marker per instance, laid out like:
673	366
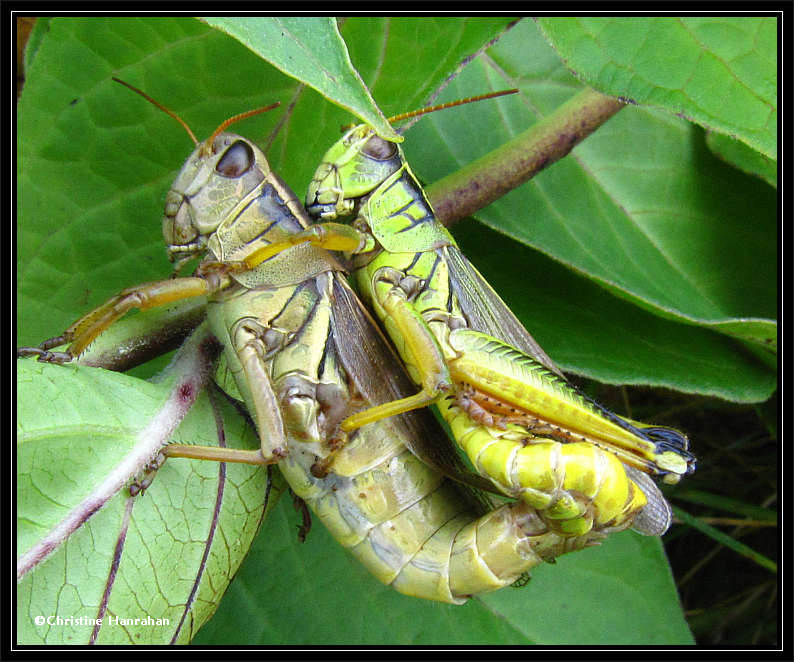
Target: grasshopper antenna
168	111
210	140
450	104
237	118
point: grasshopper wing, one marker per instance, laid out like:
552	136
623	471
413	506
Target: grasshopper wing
486	311
373	366
656	517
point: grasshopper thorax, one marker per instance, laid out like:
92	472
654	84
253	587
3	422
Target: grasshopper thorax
215	180
353	167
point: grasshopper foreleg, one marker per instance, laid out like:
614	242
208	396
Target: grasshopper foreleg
149	295
139	486
331	236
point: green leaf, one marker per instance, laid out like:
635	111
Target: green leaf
689	66
165	555
743	157
311	50
37	34
414	56
599	596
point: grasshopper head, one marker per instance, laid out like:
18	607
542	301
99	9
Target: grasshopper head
216	178
353	167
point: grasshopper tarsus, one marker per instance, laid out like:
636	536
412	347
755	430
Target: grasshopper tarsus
220	268
524	579
139	486
306	524
44	355
42	350
24	352
320	468
56	357
277	455
334	443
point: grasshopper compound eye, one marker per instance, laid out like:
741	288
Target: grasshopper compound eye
236	161
379	149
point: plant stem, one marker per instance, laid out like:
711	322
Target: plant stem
488	178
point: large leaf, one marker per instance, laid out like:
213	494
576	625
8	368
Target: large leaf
619	593
311	50
119	569
719	71
743	157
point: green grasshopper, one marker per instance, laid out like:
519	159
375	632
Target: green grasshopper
463	346
280	325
